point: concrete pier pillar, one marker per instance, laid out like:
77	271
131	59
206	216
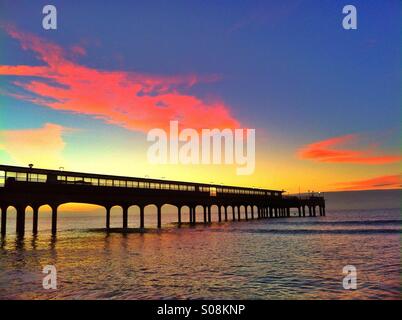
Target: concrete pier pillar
226	213
205	214
54	219
314	213
233	214
35	219
20	222
209	214
299	211
270	212
276	212
246	212
252	212
219	214
179	216
194	216
304	210
125	217
238	213
107	217
288	212
142	224
159	213
3	220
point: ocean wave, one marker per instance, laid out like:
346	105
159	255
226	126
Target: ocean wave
320	231
345	222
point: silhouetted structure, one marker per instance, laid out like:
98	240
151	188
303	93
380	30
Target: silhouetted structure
23	187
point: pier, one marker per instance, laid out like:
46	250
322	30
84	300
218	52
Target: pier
23	187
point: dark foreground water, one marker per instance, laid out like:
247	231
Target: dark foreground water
292	258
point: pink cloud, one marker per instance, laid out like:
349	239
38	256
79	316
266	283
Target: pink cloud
131	100
78	50
327	151
382	182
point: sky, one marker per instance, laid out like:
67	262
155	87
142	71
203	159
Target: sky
324	101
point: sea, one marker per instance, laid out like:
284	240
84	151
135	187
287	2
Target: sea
282	258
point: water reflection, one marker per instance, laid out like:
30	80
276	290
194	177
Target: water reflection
261	259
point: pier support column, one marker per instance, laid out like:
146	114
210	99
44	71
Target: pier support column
246	212
35	219
3	220
179	216
252	212
288	212
323	211
275	212
209	214
125	217
271	215
266	212
159	212
219	213
258	212
238	213
314	213
54	219
226	213
107	217
20	223
304	210
194	216
142	224
205	214
299	210
309	211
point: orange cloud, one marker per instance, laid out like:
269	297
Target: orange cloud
40	146
325	151
382	182
132	100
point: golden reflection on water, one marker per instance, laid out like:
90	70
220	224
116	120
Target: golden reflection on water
261	259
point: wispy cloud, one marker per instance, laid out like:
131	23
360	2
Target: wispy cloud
41	146
266	13
132	100
382	182
329	151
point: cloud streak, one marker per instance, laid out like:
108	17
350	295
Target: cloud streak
381	182
131	100
331	151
